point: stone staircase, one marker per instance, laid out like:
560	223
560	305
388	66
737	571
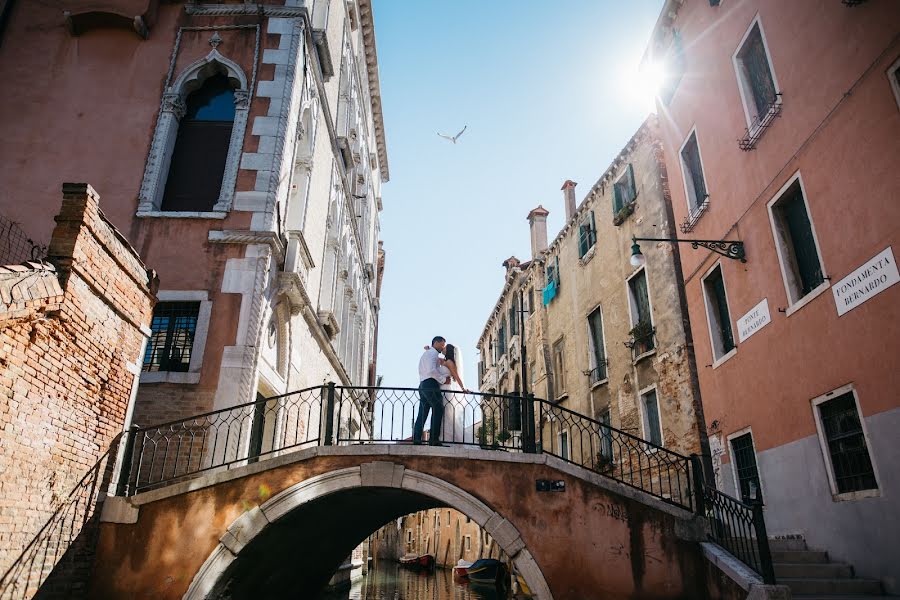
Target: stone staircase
811	575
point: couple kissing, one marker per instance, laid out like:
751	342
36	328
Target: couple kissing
441	392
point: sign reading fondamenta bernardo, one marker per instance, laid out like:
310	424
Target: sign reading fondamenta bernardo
755	319
869	280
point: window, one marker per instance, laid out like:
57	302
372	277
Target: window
552	280
694	180
756	80
641	319
468	540
559	367
514	316
587	234
564	445
173	328
717	315
532	377
606	448
845	443
652	427
512	413
893	74
597	348
795	241
437	519
745	467
624	191
674	67
501	337
201	148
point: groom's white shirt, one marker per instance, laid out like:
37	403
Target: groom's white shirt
429	367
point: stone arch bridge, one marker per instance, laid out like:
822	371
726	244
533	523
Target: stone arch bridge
240	504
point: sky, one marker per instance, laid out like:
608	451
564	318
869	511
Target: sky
548	91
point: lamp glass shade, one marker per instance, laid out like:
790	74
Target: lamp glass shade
637	258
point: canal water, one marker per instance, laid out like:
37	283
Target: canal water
387	581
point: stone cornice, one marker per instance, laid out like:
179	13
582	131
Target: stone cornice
368	35
227	10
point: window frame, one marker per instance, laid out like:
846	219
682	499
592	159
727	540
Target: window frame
645	423
732	457
204	313
592	358
893	75
561	391
743	86
795	305
626	172
563	440
837	496
718	359
171	111
588	220
693	212
632	308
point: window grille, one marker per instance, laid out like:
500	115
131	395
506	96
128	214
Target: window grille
850	459
173	327
745	466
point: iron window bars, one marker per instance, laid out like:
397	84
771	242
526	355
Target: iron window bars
756	130
172	340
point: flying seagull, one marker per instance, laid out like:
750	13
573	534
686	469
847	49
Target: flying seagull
455	137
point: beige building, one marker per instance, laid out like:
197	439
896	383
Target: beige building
445	533
602	338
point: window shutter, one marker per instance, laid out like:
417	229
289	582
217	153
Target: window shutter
617	199
593	230
632	189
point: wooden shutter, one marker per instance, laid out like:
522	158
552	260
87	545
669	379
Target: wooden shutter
632	190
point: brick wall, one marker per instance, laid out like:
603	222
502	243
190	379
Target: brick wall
72	332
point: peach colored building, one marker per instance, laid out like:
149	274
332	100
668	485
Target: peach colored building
781	127
240	148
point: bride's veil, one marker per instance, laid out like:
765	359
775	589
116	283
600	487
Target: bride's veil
458	360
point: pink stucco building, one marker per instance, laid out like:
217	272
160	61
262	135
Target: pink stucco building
781	127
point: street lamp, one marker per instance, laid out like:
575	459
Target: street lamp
733	249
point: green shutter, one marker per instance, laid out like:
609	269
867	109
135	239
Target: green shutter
617	199
593	230
632	189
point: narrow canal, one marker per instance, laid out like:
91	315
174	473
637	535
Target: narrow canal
387	581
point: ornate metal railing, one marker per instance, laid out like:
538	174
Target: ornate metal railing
59	556
739	528
170	452
760	124
326	415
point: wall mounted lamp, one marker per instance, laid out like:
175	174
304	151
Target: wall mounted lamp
728	248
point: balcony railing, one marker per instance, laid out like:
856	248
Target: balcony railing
756	130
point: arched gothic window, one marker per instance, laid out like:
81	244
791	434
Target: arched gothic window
201	148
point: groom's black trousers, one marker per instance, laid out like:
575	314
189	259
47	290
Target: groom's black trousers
429	399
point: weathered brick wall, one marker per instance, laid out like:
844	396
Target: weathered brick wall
71	336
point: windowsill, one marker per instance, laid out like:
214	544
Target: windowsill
561	397
641	357
851	496
169	377
588	255
597	384
807	298
724	358
179	214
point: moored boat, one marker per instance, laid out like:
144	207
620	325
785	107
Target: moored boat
462	568
487	570
417	561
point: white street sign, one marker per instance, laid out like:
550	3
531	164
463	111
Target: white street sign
866	282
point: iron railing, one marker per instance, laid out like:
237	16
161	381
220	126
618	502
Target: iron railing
59	556
739	528
760	124
327	415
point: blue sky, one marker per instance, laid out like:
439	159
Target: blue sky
547	92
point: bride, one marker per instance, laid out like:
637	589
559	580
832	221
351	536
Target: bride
454	421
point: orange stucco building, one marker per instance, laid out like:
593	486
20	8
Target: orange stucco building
781	128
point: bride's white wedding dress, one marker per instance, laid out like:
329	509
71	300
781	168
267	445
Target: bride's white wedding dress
453	426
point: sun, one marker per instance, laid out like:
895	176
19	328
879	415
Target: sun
643	84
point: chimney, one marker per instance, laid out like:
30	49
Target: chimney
511	263
538	221
568	189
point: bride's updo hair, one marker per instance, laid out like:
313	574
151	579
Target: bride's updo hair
450	352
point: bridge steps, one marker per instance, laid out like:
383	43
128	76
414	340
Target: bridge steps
811	575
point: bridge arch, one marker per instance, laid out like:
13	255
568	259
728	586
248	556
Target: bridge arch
256	531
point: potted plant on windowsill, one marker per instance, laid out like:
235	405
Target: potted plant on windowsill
623	213
641	337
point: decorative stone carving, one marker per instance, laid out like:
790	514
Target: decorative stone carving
174	103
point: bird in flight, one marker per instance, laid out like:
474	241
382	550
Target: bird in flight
453	138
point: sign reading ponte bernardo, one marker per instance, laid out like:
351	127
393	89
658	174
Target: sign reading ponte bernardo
869	280
755	319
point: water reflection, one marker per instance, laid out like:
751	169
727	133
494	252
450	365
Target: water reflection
387	581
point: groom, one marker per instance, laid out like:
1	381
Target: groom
430	379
